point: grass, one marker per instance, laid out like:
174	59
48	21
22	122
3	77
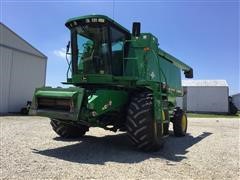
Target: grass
198	115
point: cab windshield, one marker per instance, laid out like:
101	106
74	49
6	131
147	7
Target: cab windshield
97	49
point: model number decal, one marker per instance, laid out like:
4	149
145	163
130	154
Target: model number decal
95	20
106	106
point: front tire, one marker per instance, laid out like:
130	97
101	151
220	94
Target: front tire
143	130
68	131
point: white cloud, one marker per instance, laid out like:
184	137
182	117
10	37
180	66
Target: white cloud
60	53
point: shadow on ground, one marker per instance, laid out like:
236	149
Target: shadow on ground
118	148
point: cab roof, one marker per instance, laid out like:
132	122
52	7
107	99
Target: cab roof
109	20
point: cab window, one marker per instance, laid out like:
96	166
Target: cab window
117	44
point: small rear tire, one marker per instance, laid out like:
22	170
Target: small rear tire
67	130
180	123
145	133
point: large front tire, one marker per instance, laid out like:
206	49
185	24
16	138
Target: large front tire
68	131
143	130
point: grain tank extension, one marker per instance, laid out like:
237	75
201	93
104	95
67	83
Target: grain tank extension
121	81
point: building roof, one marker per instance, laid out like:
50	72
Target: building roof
9	39
235	95
203	83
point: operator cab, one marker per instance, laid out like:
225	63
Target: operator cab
97	45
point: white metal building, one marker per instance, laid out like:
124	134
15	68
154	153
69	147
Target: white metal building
22	69
204	96
236	100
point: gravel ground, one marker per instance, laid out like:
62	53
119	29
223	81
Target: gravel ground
31	150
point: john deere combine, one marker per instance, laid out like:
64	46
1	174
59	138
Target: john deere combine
122	81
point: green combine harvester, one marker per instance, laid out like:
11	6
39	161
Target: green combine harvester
122	82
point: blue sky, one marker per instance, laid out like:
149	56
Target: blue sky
203	34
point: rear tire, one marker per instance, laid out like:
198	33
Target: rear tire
68	131
142	129
180	123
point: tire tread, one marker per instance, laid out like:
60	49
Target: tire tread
66	130
140	122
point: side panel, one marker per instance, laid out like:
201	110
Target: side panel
207	99
107	100
5	72
28	73
172	74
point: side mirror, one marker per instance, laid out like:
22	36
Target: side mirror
136	29
68	47
189	74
